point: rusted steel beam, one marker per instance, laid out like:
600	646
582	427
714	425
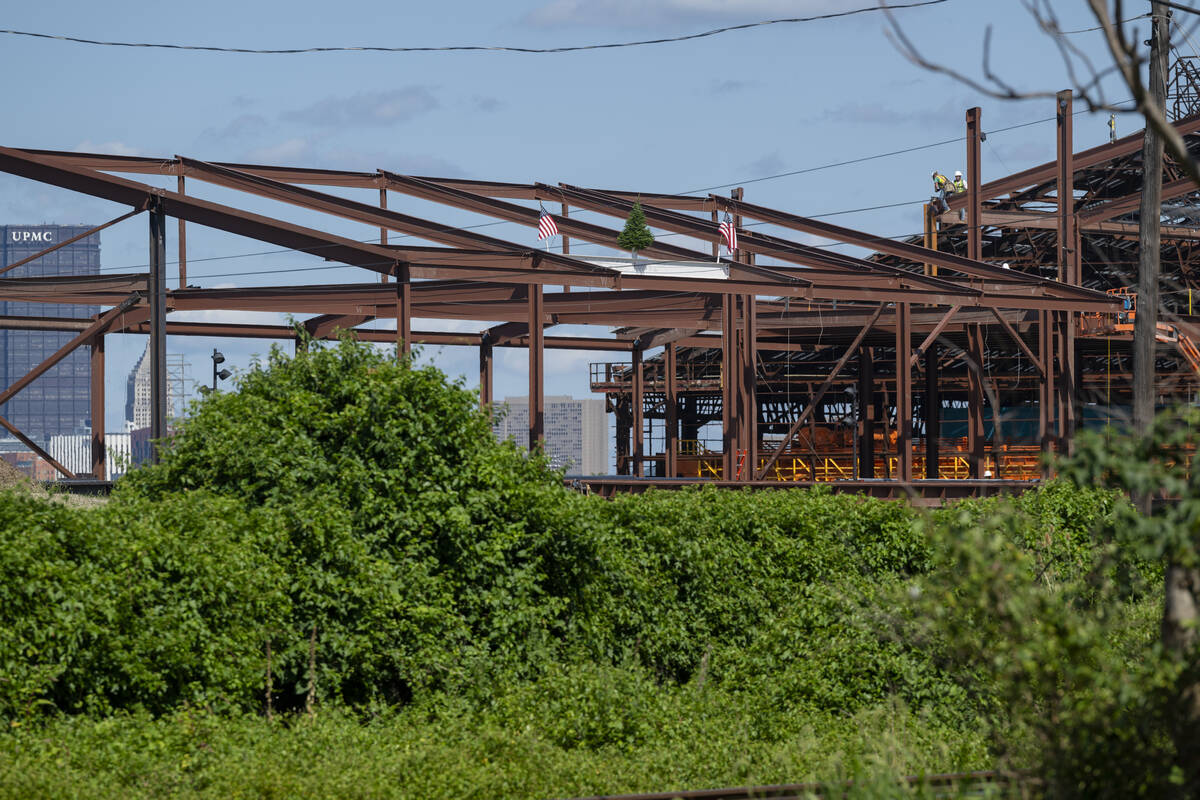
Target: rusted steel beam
933	334
900	249
728	396
458	198
96	401
819	395
866	413
1016	337
326	325
32	445
181	186
537	368
99	326
1130	202
751	242
368	214
485	374
974	198
1083	160
933	415
638	401
72	240
976	435
904	466
671	411
157	295
403	310
1045	220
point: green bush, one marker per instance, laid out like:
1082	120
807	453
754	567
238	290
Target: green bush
134	604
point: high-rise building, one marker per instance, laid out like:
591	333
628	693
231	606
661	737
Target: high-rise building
137	389
58	402
576	431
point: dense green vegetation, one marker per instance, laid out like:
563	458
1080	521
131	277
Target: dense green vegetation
344	530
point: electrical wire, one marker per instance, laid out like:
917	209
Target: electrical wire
1101	27
462	48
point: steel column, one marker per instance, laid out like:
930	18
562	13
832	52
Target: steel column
749	383
97	412
866	413
485	374
976	432
1069	267
158	328
819	394
672	411
537	367
182	237
974	196
904	391
404	310
1046	393
728	376
933	414
638	390
383	231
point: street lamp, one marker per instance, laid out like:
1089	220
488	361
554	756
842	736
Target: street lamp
218	358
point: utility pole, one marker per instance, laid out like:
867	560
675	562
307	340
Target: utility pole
1145	323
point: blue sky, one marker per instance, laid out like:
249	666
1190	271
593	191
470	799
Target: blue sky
676	117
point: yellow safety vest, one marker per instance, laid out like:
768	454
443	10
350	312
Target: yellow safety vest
959	186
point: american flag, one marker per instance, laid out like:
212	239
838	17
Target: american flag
546	226
729	233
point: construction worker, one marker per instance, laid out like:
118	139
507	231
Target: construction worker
960	186
1112	128
941	192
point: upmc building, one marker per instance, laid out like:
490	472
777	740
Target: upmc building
58	402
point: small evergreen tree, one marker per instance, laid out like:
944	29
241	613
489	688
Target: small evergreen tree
637	235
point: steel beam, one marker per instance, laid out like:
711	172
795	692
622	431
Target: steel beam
728	384
100	325
97	408
638	399
976	432
866	413
819	395
1069	266
181	187
671	411
974	197
750	384
158	329
537	369
69	241
933	415
1044	173
933	334
904	450
36	448
404	310
485	374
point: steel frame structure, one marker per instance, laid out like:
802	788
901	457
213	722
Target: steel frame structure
903	307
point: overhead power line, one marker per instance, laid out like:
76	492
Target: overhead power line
467	48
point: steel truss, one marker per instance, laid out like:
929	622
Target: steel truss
767	349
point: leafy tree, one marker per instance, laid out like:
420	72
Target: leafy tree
636	235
